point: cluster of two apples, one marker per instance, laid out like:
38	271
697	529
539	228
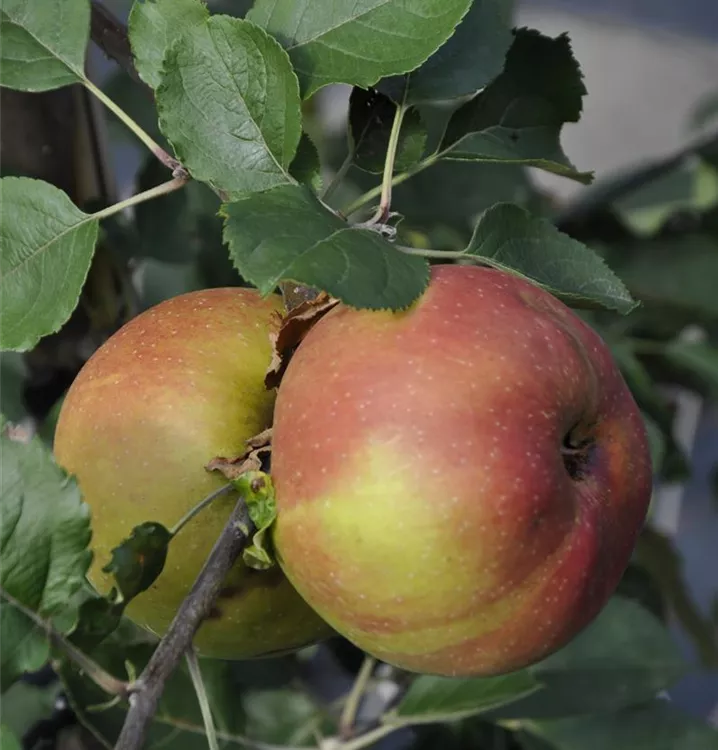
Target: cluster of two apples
459	485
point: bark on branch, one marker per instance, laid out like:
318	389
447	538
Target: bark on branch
171	649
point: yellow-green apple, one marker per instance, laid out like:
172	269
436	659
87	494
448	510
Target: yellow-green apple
177	386
459	485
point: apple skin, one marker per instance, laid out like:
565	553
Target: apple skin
427	506
176	386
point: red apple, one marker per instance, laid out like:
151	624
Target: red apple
460	485
175	387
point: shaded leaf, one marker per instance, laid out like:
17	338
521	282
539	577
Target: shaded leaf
508	237
25	649
42	43
8	740
169	226
43	550
280	716
287	234
178	722
24	705
98	618
654	726
518	117
342	41
624	657
436	699
154	25
306	168
48	245
243	696
472	56
371	116
677	273
13	374
139	559
229	104
700	359
657	555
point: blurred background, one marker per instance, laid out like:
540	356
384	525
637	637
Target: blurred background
651	70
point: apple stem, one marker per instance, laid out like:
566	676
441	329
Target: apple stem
104	680
170	162
370	738
198	508
147	195
353	701
195	674
382	213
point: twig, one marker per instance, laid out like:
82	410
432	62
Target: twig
110	35
196	675
111	685
349	713
187	517
171	649
602	196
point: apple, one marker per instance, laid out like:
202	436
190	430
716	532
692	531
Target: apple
178	385
459	485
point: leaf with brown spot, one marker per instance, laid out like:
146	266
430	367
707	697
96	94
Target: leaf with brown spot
295	326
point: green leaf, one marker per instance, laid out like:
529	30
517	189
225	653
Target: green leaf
24	705
154	25
654	726
25	649
43	549
508	237
700	359
624	657
519	116
438	699
473	56
287	234
139	559
42	43
13	374
281	717
306	167
257	489
371	116
342	41
229	104
48	245
8	740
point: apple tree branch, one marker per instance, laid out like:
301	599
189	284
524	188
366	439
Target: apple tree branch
148	687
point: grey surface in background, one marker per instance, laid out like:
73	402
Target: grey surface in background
694	17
